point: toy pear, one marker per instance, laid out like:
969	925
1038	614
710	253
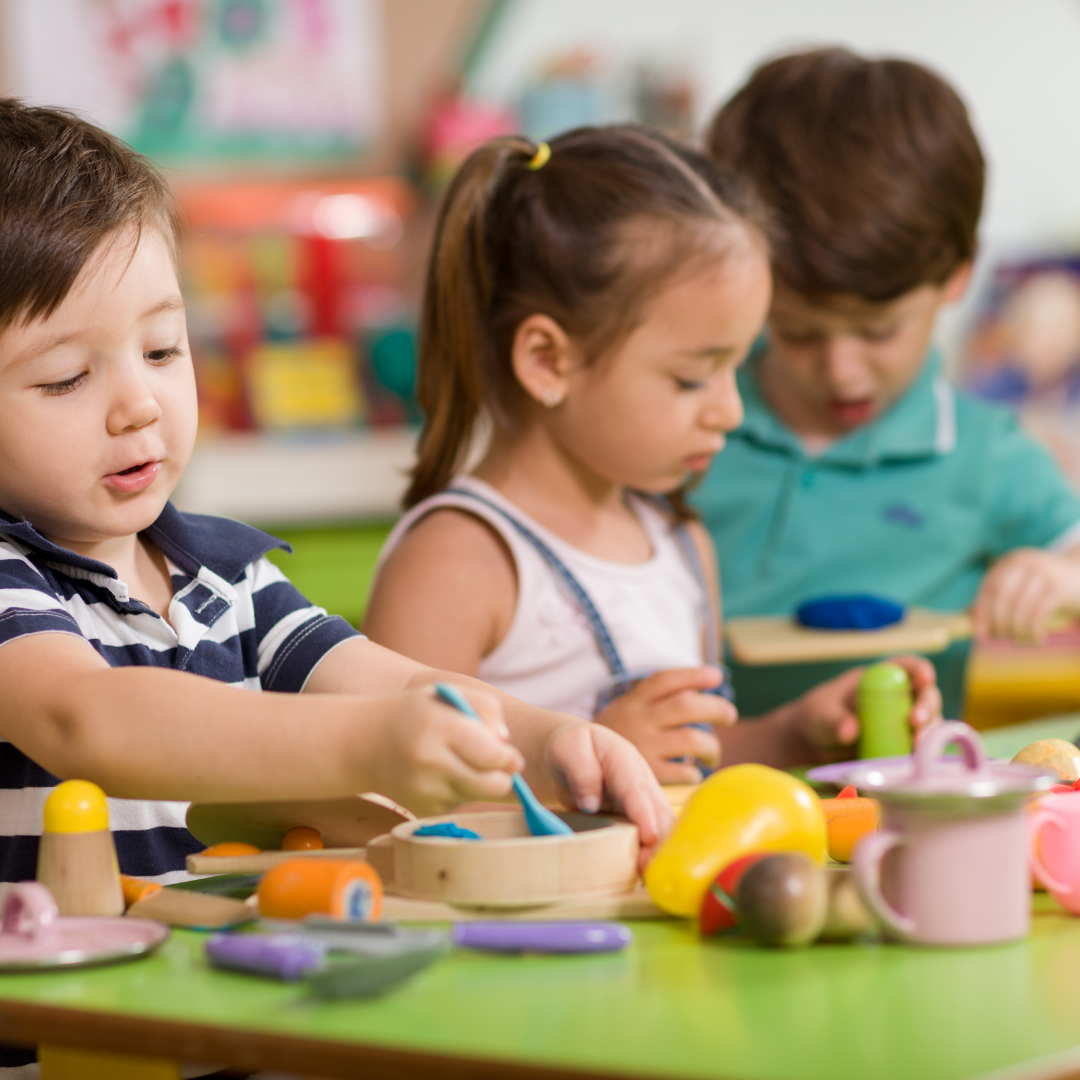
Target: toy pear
738	810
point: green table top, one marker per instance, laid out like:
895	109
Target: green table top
672	1005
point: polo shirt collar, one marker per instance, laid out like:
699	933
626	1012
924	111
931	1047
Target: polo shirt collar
921	424
191	541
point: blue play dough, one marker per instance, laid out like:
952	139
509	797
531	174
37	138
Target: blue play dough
447	828
861	612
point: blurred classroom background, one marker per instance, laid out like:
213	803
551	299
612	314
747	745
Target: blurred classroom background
309	140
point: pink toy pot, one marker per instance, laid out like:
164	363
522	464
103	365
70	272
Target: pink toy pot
949	865
1054	847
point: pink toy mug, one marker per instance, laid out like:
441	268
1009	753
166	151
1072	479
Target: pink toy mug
949	865
1053	836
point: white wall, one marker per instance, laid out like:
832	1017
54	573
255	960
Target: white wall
1015	62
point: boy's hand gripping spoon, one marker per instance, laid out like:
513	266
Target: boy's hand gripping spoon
541	821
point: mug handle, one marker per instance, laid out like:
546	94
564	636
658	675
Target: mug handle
934	741
869	853
1038	819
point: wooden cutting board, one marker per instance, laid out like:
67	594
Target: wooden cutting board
776	640
349	822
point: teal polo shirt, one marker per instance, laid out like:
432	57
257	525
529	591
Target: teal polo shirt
913	506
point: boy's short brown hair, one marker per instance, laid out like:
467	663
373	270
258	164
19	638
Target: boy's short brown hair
65	186
870	168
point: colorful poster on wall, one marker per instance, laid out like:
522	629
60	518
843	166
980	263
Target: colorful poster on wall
207	79
1025	351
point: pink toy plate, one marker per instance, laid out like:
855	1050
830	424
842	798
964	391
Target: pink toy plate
33	934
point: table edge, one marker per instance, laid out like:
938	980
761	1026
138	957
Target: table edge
30	1023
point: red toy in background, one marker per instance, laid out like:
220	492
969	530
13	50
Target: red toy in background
300	313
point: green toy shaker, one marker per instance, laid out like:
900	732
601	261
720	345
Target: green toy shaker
884	703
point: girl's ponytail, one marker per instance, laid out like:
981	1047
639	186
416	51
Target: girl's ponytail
455	360
524	231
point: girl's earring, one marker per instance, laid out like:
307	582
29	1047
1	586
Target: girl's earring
551	397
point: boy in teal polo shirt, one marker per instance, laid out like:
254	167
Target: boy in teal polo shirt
858	467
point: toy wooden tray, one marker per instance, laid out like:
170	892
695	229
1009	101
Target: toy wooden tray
778	640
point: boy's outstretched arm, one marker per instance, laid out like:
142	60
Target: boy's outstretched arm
150	733
585	765
1025	590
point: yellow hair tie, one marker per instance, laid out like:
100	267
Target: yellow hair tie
540	158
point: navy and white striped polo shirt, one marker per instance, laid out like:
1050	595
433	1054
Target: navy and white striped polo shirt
235	618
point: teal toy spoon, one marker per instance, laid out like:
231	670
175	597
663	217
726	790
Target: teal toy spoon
541	821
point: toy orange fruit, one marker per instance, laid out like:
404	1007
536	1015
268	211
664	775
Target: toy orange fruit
230	847
302	838
849	820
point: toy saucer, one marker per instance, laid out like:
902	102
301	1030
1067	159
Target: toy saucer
33	934
838	772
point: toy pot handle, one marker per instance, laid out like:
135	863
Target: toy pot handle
933	742
867	866
1036	821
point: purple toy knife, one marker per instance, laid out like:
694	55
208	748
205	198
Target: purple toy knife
548	937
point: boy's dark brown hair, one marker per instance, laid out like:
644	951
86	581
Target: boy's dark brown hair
870	168
514	240
65	186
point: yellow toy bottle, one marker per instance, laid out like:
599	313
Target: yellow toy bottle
737	810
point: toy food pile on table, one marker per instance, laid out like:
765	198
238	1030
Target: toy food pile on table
934	850
939	851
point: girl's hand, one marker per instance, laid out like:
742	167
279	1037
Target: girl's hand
429	757
825	722
654	714
599	770
1024	591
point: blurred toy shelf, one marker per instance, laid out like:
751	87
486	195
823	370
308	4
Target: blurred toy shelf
344	476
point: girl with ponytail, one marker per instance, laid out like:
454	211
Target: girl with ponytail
587	304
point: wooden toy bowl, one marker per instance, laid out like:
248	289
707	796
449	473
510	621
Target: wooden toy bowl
508	867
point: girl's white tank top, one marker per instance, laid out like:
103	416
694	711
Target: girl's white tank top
655	611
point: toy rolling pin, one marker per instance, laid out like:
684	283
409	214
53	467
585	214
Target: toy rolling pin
77	856
884	704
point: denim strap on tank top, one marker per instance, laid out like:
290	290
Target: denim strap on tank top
606	644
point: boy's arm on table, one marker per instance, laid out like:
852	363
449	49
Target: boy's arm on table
151	733
823	725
